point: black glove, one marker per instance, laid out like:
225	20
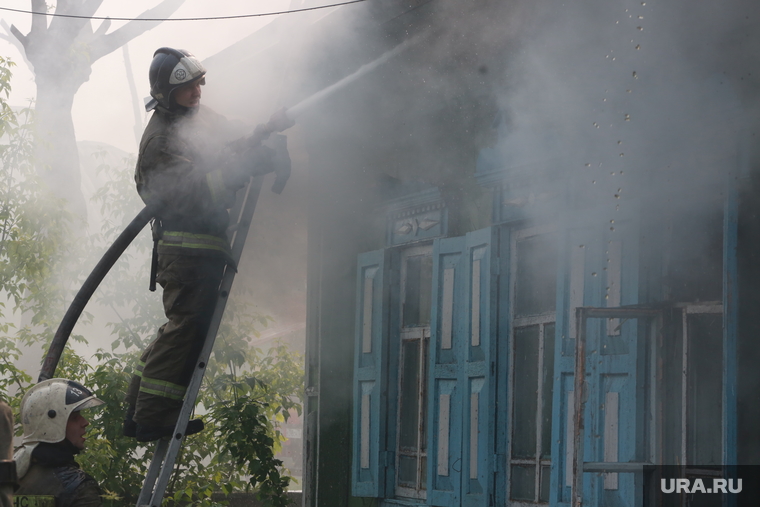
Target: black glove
260	160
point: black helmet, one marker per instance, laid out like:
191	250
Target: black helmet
170	69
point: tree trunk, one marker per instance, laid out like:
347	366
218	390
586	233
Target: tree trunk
57	153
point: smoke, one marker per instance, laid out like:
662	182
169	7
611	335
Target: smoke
649	89
633	105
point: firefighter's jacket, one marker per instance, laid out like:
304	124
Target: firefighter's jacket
185	164
54	479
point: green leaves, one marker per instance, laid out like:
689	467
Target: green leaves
247	435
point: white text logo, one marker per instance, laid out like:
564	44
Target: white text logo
698	486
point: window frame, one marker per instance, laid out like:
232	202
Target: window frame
687	309
515	323
421	333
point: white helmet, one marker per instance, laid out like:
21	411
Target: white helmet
46	407
170	69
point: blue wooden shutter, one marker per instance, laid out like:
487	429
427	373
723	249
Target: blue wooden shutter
461	403
370	376
479	292
445	382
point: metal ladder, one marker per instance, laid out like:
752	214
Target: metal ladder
167	449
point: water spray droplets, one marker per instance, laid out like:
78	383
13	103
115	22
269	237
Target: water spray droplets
627	117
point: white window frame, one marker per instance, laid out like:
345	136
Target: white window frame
421	333
516	323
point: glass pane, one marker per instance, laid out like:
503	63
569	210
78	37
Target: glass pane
525	390
696	271
705	388
423	472
544	490
546	394
535	292
407	471
409	394
523	483
418	290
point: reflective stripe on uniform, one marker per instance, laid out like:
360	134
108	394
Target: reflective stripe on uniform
33	501
140	368
189	240
162	388
216	185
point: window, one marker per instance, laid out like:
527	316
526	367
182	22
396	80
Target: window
411	450
534	264
702	385
425	373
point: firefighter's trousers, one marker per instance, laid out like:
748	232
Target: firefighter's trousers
191	285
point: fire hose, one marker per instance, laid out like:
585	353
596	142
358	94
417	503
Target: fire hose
88	288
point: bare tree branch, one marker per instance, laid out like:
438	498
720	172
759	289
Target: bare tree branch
103	28
19	36
13	39
110	42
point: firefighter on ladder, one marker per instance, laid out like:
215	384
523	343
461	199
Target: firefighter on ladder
188	165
